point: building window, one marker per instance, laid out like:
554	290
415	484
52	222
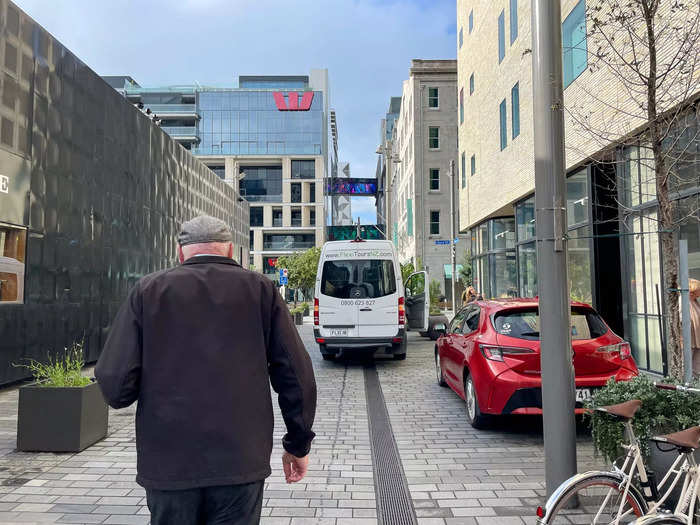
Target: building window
261	183
256	216
574	45
473	164
434	137
277	217
435	222
471	84
461	38
464	170
461	106
434	179
288	241
312	192
296	217
296	192
219	170
501	37
312	217
252	242
304	169
471	21
504	125
409	218
513	21
515	109
13	247
433	98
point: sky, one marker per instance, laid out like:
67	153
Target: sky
366	45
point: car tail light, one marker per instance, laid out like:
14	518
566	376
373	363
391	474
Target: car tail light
623	349
316	322
402	311
496	353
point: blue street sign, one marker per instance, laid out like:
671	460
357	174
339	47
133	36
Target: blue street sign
284	281
456	241
442	241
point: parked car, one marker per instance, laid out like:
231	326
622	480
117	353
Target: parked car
490	356
360	303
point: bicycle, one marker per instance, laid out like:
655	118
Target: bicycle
630	494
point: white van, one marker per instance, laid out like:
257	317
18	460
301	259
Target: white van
359	301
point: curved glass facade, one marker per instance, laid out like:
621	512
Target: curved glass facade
493	250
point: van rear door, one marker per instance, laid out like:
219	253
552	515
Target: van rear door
417	303
378	310
338	315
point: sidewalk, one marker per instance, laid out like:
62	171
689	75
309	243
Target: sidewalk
455	474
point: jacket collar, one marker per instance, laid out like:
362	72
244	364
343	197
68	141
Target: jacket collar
204	259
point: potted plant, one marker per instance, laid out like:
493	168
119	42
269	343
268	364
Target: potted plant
662	412
62	411
298	314
305	306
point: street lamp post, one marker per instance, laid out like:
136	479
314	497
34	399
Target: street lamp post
453	247
558	393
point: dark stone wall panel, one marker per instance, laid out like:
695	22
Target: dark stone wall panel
105	194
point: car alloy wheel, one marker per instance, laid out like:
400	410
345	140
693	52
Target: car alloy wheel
438	369
470	398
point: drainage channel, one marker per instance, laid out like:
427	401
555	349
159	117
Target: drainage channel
394	504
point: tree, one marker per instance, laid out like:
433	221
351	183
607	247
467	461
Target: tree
465	272
647	55
406	270
302	267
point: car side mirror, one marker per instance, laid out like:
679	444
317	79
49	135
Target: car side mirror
440	329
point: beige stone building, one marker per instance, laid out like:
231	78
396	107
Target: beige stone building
614	255
425	143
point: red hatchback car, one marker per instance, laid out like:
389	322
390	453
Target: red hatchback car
490	356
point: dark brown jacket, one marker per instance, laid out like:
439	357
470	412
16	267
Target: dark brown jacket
198	346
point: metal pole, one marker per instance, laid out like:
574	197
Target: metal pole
558	394
452	238
388	158
685	310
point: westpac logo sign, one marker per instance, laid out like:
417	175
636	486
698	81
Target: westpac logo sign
4	184
292	102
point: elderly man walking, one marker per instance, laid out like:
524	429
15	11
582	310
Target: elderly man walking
198	346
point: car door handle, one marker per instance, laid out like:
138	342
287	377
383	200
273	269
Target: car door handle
365	309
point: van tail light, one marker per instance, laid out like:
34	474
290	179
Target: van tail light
496	353
402	311
316	322
624	349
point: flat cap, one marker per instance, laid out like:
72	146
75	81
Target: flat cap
204	229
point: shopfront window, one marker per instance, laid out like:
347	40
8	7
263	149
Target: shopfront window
577	199
527	269
502	234
580	257
525	219
13	243
494	267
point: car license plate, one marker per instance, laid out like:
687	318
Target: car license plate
338	333
582	394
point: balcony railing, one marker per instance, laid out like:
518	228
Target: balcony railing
261	198
164	109
284	245
180	131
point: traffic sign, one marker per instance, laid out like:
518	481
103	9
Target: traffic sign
284	281
284	273
456	240
442	241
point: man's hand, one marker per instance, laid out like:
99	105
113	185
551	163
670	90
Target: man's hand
294	468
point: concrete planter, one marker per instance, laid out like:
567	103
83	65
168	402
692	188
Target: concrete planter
60	419
299	318
306	311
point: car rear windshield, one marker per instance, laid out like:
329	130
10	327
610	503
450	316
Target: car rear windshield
358	279
525	324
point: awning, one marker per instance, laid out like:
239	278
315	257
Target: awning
448	270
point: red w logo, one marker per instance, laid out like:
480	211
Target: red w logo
294	105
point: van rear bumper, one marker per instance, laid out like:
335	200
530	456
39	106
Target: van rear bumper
349	343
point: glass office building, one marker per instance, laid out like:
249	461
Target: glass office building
269	136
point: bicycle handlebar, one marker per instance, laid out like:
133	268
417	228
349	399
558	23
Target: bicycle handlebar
680	388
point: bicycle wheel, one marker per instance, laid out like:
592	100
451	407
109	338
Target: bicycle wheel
660	519
597	500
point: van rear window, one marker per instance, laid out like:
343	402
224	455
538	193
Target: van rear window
358	279
525	324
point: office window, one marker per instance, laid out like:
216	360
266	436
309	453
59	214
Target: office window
473	164
501	37
409	217
434	222
461	106
513	20
433	137
434	179
304	169
461	38
277	217
296	217
261	183
13	248
471	21
464	171
312	217
296	192
574	45
471	84
433	98
504	125
256	216
515	109
312	192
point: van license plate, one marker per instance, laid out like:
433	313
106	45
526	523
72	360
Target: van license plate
338	333
582	394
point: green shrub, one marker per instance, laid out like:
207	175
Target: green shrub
662	412
60	371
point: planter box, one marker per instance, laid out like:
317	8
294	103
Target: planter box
60	419
299	319
306	311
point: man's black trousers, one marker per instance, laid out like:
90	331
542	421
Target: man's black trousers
225	505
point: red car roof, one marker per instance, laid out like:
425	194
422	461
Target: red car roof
519	302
